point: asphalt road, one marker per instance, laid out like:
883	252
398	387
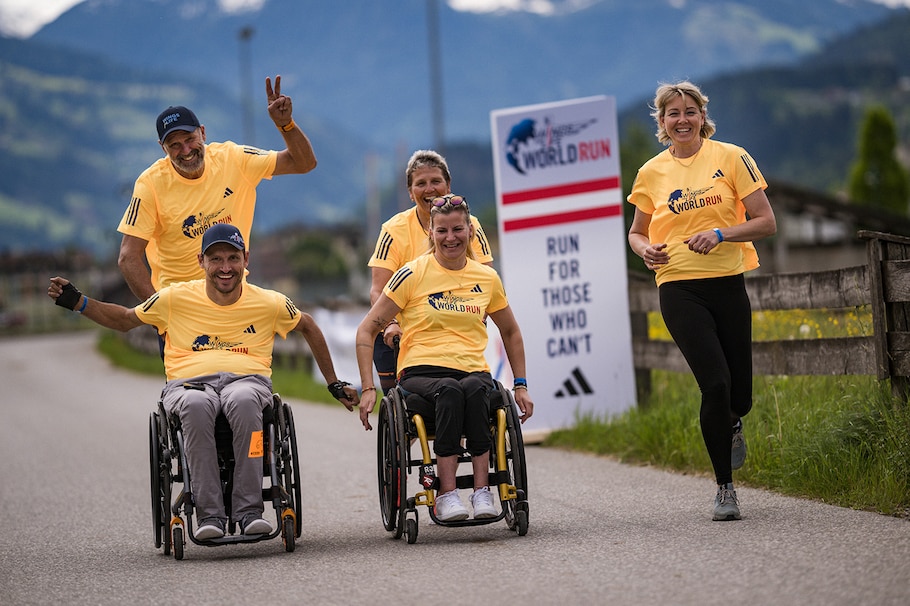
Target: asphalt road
75	522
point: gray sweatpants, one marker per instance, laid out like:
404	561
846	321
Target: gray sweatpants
197	402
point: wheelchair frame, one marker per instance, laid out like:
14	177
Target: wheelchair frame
399	427
280	463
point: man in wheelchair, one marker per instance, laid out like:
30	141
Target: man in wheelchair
442	299
219	334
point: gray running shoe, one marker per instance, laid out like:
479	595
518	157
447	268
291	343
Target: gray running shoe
738	453
726	507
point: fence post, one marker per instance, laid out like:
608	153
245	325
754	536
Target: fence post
639	325
890	306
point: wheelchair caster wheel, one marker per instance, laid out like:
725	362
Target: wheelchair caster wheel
287	533
177	534
521	522
411	531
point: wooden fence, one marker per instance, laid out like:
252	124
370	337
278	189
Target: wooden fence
883	284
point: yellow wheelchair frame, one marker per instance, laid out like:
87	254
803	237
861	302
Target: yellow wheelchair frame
401	423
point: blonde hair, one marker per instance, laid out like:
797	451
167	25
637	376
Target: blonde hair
667	93
446	209
427	157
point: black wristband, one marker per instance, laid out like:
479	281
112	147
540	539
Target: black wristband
70	297
337	390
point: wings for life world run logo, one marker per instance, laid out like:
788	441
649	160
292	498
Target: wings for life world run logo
450	302
195	225
532	146
207	342
680	201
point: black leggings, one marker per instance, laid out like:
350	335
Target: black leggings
711	322
462	402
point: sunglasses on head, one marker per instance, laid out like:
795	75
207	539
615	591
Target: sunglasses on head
450	199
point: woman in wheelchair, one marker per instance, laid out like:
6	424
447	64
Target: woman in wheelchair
442	299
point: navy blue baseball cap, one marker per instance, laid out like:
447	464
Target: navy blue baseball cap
222	232
175	118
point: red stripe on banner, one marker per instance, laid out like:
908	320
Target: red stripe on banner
555	191
559	218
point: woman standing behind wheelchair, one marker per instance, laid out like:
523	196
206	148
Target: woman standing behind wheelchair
442	299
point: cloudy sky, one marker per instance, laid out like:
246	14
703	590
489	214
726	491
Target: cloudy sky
25	17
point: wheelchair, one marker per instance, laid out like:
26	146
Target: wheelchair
280	464
406	420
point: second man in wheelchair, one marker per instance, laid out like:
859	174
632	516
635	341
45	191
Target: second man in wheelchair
217	358
442	299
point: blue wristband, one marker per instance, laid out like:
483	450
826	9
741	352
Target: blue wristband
521	381
84	305
720	236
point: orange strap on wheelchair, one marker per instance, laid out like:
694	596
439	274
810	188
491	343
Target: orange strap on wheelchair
256	449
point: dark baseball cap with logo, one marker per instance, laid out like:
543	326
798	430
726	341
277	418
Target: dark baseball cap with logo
174	118
222	232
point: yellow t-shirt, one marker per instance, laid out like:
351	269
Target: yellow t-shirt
402	239
173	212
203	337
684	199
443	311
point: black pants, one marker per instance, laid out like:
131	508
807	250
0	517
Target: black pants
462	406
711	322
385	359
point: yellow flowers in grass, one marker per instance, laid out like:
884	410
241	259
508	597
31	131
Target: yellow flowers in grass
792	324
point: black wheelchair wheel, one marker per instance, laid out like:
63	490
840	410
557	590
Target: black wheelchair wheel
288	533
159	480
155	479
516	509
521	522
178	542
403	444
388	468
294	484
411	531
516	449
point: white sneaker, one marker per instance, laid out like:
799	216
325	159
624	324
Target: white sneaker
256	525
209	528
482	502
449	507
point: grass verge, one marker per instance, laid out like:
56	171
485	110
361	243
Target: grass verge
842	440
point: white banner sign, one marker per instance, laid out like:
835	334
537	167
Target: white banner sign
562	255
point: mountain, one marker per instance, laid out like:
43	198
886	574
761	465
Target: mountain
76	129
80	97
801	122
364	64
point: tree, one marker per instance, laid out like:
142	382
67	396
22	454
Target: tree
877	178
314	257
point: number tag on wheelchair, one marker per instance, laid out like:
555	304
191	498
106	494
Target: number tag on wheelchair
427	476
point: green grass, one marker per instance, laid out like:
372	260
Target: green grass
842	440
120	354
